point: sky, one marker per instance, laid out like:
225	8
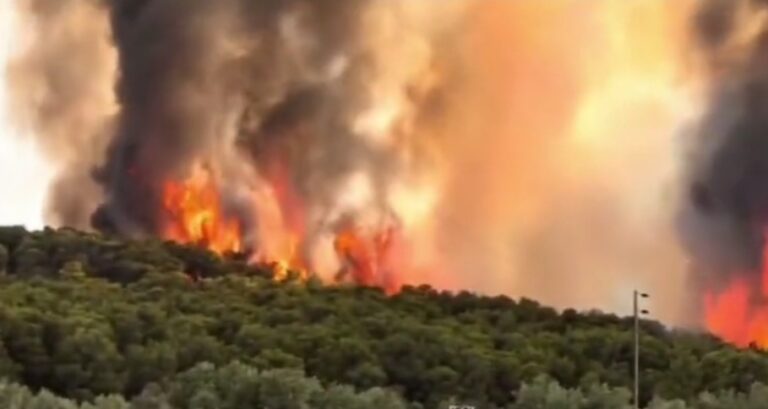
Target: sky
23	172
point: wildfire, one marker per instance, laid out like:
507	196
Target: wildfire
194	214
366	260
292	265
582	100
739	314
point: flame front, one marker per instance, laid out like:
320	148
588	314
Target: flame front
366	259
193	214
739	313
440	178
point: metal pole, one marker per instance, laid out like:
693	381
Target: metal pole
637	351
636	295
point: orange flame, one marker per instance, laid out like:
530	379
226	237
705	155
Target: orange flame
292	264
739	314
366	260
508	184
195	214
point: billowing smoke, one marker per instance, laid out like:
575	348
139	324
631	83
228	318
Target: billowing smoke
62	90
728	198
565	151
298	114
529	148
725	219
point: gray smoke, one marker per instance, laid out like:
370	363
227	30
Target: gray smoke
259	93
726	215
190	68
490	131
61	90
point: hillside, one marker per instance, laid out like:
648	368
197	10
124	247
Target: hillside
83	315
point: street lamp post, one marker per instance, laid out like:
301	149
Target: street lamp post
637	312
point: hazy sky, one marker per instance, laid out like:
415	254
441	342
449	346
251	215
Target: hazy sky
23	174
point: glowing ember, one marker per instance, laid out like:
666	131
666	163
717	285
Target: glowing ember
739	314
194	214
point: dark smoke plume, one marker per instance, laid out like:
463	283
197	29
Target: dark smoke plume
725	220
253	91
192	71
494	137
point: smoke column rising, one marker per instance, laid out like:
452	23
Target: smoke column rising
724	220
565	168
530	148
25	196
61	90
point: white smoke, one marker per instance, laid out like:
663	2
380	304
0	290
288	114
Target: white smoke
25	175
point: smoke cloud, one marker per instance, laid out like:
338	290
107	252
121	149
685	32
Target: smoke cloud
530	148
61	91
724	217
564	171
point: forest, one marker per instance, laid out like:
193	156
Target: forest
92	321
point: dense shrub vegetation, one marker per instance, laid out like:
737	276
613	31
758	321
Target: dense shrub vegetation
237	386
82	316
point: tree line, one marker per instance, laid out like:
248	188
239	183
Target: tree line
105	321
237	386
